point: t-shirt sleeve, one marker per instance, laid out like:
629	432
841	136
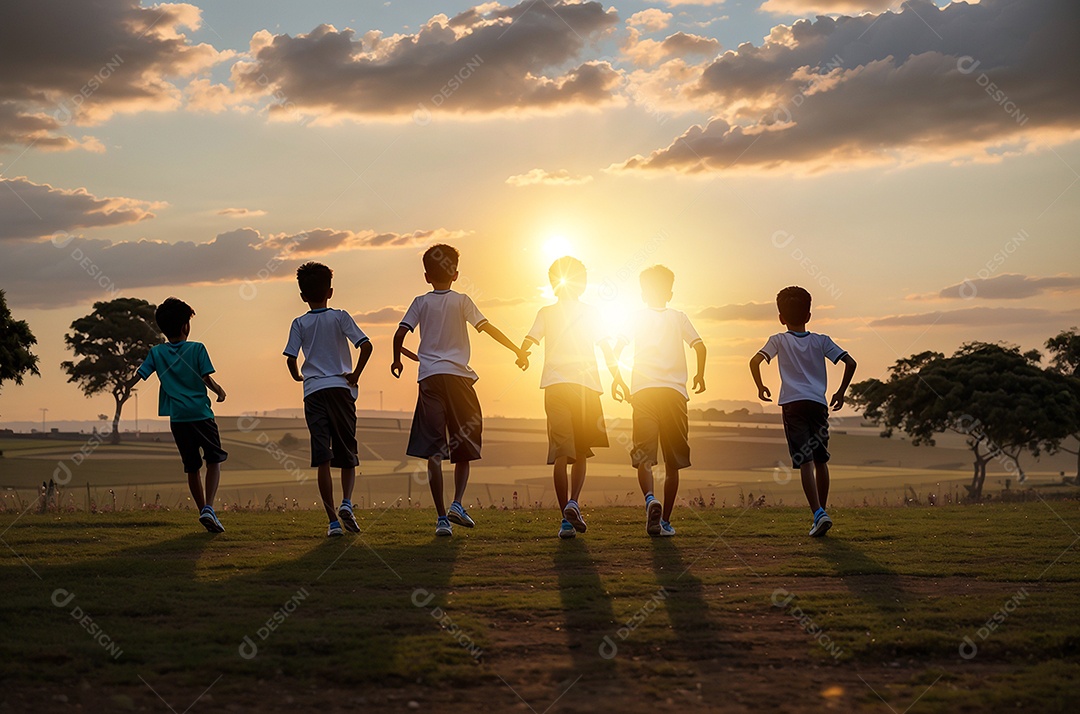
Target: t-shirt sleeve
202	361
689	334
147	366
536	332
771	348
473	316
292	347
351	330
412	316
833	352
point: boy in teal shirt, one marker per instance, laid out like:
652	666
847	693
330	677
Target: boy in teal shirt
183	368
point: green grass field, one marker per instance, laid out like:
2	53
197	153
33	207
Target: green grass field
741	612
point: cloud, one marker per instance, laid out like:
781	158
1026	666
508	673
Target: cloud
650	20
979	317
79	63
676	3
489	59
644	52
70	269
241	212
34	210
750	311
811	8
1008	286
541	177
202	95
383	316
924	84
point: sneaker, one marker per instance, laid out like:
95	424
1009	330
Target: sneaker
347	518
566	530
822	524
334	530
666	529
443	527
654	512
457	514
210	521
572	513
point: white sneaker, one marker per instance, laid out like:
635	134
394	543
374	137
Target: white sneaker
566	530
333	530
348	520
666	529
653	514
821	526
210	522
572	513
443	527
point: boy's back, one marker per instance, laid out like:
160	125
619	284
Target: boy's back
443	316
802	358
180	367
659	356
324	335
572	330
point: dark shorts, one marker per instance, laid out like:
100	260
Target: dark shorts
660	418
331	420
191	436
806	426
447	421
575	421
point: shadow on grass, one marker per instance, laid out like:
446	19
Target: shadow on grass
874	583
684	600
586	605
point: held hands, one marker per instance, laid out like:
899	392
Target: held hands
523	359
699	383
619	391
763	393
837	401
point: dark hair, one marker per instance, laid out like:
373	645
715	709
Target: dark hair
172	315
314	280
441	261
568	275
657	277
794	305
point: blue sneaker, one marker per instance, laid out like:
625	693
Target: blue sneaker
666	530
458	515
822	524
654	512
347	518
566	530
443	527
572	513
334	530
209	520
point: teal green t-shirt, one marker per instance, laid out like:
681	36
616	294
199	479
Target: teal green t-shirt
180	367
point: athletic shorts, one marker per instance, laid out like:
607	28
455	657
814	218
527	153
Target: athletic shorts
575	421
660	419
191	436
447	421
806	426
331	421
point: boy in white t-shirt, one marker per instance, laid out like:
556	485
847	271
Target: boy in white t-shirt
658	393
572	330
446	401
324	334
803	381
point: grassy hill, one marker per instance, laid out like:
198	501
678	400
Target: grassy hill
741	610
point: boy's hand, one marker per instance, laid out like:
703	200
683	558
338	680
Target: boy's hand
619	391
523	359
396	368
699	383
837	401
352	378
763	393
220	394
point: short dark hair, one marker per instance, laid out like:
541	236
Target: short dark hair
172	315
794	305
441	261
568	274
657	277
314	280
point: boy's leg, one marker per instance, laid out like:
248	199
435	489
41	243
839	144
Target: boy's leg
326	490
671	489
195	486
577	476
348	482
213	478
435	483
559	472
645	479
461	479
809	485
822	469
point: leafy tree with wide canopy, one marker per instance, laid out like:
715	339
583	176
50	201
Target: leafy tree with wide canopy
16	339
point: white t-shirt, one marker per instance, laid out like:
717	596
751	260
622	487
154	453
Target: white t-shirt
572	331
325	335
441	316
802	364
659	356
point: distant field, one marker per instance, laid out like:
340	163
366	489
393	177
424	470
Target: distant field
740	611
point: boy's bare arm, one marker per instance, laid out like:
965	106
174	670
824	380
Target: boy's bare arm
619	391
365	354
214	387
293	369
837	400
399	337
699	378
755	370
497	334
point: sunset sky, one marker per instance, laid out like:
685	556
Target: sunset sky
916	169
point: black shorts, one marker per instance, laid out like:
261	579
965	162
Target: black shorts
660	416
447	421
806	426
331	421
191	436
575	421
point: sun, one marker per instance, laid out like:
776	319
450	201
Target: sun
556	246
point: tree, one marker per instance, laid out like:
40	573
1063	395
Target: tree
1065	359
112	342
1000	399
16	339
